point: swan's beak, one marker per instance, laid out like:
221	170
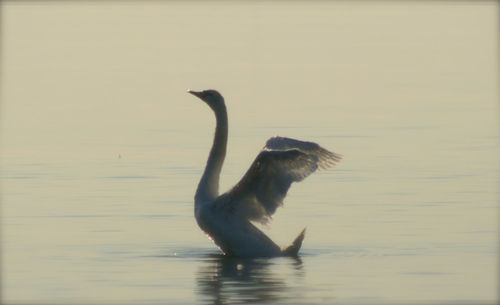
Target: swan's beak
195	93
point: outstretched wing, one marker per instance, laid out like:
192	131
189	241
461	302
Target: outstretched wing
326	159
282	161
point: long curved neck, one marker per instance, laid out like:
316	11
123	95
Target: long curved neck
208	188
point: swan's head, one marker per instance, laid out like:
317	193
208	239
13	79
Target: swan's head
213	98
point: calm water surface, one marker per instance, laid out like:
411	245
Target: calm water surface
102	150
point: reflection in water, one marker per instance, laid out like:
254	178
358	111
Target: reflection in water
226	280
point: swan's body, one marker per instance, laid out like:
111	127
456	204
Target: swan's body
226	218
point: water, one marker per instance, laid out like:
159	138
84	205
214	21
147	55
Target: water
102	150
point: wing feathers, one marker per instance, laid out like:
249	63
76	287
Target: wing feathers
327	159
282	161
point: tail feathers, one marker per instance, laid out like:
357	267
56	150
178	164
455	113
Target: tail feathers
294	248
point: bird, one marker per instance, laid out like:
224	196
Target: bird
227	218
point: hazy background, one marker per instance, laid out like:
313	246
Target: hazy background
102	149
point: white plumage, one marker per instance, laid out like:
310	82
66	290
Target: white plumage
226	218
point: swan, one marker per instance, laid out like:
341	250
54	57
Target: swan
227	218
